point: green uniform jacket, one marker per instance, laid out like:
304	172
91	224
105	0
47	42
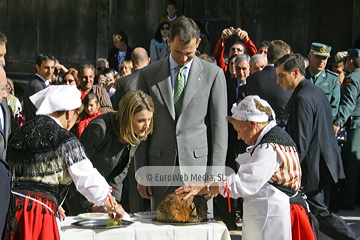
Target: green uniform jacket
350	98
328	81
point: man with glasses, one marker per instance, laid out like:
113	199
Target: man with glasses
45	66
246	46
101	64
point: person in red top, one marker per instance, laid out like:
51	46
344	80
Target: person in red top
236	48
92	110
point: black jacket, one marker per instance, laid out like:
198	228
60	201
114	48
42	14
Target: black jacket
310	125
264	85
113	57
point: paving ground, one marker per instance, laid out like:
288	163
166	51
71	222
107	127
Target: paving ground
351	217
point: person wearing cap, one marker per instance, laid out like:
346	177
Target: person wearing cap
349	116
268	175
45	158
327	80
308	121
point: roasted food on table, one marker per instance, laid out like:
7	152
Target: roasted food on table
174	209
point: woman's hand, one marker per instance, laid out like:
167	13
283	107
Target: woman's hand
118	213
61	213
101	80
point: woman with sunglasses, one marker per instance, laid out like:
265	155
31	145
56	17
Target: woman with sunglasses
158	45
71	77
45	158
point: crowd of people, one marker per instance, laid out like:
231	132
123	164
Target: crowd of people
270	114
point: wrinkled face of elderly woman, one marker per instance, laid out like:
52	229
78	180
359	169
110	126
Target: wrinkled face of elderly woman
246	131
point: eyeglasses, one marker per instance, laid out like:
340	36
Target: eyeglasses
68	81
100	68
165	28
238	49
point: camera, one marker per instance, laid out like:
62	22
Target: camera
107	80
234	31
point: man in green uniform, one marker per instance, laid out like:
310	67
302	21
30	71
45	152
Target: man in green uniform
349	115
321	77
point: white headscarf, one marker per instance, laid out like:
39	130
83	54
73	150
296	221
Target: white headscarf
56	98
246	110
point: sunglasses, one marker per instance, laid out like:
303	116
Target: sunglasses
100	68
165	28
238	49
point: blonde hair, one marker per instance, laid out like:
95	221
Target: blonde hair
129	105
128	63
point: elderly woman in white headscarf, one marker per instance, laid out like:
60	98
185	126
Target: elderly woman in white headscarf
268	175
45	158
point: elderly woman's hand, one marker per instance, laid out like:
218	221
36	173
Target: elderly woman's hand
192	190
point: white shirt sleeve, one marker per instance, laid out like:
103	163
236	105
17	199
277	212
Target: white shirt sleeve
252	175
89	182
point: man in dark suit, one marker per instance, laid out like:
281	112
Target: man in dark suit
309	122
45	65
263	83
5	176
140	59
121	52
192	134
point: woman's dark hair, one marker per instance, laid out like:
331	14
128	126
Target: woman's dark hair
158	36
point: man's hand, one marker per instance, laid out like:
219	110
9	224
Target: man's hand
227	33
243	35
336	129
145	191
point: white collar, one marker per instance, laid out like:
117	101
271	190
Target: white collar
46	81
172	19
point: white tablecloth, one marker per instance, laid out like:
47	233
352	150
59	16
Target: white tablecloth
145	229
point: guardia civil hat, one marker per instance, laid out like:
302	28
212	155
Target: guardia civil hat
320	49
354	52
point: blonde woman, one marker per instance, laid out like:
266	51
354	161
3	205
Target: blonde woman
126	68
110	141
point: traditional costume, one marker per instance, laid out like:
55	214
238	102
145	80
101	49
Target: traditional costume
267	169
44	159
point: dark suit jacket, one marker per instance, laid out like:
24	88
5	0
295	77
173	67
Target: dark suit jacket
310	125
113	57
32	87
125	85
5	176
102	146
264	85
235	146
